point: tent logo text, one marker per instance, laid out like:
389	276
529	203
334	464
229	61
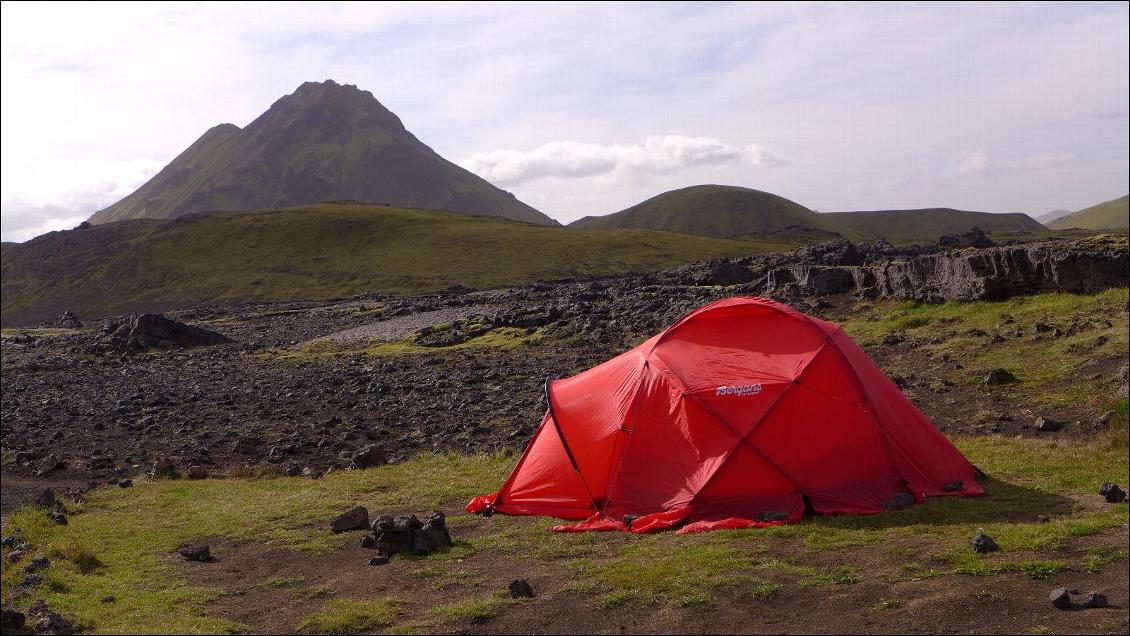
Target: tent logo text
739	390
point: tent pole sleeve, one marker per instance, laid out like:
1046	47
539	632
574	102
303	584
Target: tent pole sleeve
557	427
565	444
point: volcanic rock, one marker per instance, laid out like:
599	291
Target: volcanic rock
1112	493
520	588
368	457
68	321
195	553
355	519
1047	425
983	543
1060	598
1094	599
155	331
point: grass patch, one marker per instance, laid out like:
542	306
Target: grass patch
844	574
121	541
888	604
347	616
1094	326
132	532
1095	558
444	576
474	610
648	572
500	338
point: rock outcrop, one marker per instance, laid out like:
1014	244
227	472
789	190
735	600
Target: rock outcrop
930	273
155	331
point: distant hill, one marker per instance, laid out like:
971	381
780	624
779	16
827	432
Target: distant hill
1111	215
1048	217
319	252
729	211
710	210
323	142
912	226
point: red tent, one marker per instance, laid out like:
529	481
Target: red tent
743	413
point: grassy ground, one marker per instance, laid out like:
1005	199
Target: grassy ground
119	541
1046	367
320	252
500	338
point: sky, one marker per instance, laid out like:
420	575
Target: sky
584	109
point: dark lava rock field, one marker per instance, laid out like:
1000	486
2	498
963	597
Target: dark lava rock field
308	386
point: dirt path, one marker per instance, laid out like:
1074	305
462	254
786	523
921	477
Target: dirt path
272	589
398	327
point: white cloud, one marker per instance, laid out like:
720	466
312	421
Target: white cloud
893	184
664	154
852	92
978	162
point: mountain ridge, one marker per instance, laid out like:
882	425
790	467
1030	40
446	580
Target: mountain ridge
324	141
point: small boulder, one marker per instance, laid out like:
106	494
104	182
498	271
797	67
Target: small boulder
68	321
994	377
1094	599
29	581
356	519
11	620
37	563
1112	493
368	457
57	516
368	541
1042	519
165	468
53	623
196	471
1047	425
432	535
46	499
195	553
125	483
983	543
1060	598
380	559
109	598
520	588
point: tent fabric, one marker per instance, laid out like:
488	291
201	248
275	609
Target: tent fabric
743	413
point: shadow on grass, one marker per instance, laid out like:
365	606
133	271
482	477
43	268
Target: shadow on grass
1002	502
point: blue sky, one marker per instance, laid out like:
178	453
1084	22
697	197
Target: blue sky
589	108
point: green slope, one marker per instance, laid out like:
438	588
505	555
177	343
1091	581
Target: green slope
318	252
323	142
1111	215
711	210
729	211
911	226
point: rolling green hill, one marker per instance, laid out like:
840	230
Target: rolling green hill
710	210
729	211
1111	215
323	142
912	226
318	252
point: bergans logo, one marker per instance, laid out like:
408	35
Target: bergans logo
739	390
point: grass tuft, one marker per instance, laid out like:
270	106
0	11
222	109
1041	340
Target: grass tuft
349	616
